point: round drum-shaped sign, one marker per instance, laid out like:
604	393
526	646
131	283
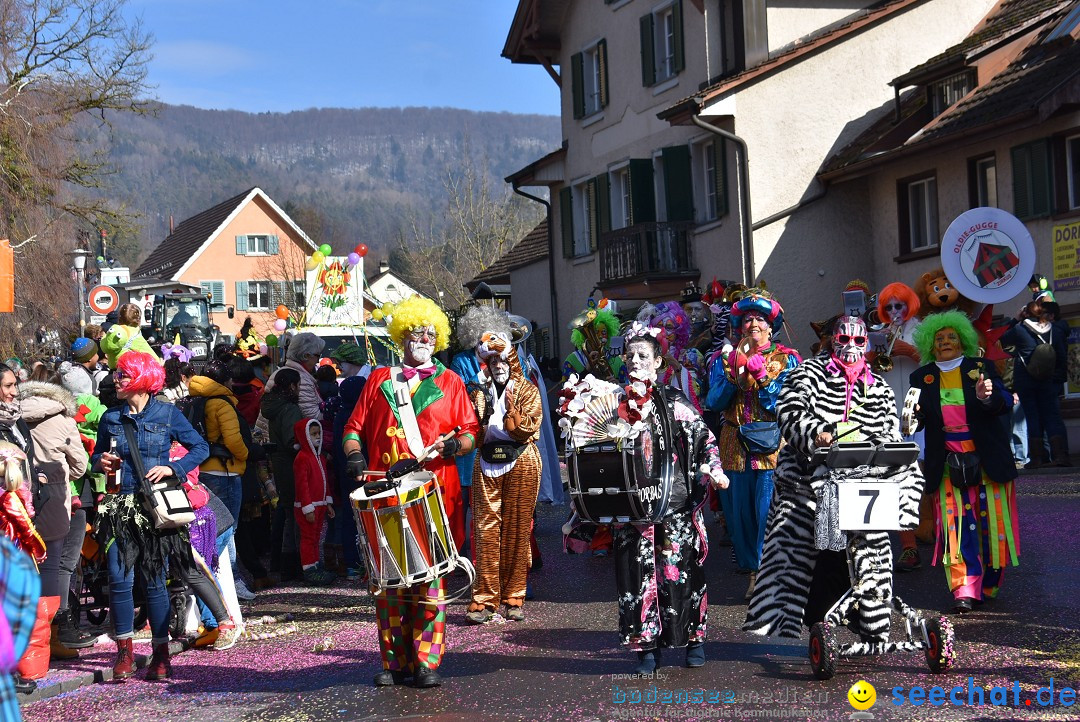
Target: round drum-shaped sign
988	255
103	299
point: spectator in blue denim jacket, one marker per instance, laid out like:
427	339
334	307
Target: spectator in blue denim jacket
123	527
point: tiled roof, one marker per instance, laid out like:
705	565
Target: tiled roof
1003	21
1033	76
530	249
186	239
798	50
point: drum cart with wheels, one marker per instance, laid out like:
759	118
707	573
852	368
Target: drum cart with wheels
870	505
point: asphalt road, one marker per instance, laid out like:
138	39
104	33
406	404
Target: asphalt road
562	662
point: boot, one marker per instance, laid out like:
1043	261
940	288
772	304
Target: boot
648	661
57	649
1035	452
70	634
159	669
124	666
1059	451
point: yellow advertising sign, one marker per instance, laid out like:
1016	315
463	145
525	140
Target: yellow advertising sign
1066	249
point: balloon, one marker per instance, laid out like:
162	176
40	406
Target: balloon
271	340
325	249
311	264
318	257
280	324
264	348
281	311
377	314
353	258
388	309
361	249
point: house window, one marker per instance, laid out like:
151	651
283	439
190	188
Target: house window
724	39
620	197
299	295
589	79
661	44
1072	170
710	180
257	245
585	220
216	291
1032	182
946	92
258	295
918	214
982	182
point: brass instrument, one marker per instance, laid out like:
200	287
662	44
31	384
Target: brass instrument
594	349
883	362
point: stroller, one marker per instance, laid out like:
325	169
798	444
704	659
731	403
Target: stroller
854	510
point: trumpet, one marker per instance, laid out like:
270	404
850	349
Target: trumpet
594	345
883	363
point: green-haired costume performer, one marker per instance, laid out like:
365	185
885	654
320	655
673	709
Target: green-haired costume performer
606	325
962	395
411	620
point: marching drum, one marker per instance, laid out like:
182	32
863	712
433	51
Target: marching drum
629	481
404	532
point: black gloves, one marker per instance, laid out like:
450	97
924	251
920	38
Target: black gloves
450	448
356	464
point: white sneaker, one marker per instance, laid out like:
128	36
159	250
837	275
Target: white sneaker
242	592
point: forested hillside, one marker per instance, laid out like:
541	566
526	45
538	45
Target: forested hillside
346	176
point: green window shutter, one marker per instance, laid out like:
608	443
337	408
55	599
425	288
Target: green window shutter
272	245
241	245
642	195
241	295
1032	182
720	178
603	202
566	215
577	84
601	54
594	216
648	61
676	17
678	183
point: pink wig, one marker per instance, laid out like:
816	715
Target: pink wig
904	293
671	310
145	374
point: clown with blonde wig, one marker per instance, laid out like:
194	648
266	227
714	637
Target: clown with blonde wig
506	479
402	411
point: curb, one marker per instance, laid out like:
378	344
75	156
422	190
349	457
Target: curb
97	676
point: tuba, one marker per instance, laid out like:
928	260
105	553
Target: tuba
594	345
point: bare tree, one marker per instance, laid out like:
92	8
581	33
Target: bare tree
60	61
282	274
480	225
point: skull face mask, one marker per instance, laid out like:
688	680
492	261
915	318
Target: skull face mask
849	340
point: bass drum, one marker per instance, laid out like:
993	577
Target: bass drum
631	482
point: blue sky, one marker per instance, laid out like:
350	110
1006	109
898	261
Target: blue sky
282	55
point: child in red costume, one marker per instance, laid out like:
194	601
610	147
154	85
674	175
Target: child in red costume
313	500
15	505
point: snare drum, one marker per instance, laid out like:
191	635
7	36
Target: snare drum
404	533
627	482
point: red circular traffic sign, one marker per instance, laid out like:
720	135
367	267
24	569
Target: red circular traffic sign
103	299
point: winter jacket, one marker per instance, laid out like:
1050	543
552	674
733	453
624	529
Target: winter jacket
310	401
281	416
248	398
49	411
309	470
222	425
348	395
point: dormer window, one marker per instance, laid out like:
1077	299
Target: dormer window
947	91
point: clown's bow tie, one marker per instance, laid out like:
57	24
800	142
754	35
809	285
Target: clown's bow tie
410	372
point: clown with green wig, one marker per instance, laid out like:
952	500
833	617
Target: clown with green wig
402	411
969	465
587	358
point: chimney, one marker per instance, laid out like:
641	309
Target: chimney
170	224
384	266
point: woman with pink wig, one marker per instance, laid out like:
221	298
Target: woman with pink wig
123	527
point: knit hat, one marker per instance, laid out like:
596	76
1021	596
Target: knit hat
75	379
83	349
350	353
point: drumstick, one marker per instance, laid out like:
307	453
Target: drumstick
427	453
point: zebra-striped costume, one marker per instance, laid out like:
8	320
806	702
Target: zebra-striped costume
812	400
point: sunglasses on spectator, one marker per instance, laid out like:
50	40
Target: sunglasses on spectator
857	340
895	306
119	375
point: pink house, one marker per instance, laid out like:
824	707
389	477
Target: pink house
245	252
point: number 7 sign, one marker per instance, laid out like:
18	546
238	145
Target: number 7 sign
869	505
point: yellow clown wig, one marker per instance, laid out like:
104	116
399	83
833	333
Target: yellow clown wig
416	312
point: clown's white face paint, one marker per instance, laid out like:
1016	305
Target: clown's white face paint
499	368
419	345
641	360
849	340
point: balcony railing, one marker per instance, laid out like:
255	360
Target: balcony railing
646	248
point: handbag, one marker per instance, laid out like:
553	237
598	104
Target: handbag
965	469
166	502
759	437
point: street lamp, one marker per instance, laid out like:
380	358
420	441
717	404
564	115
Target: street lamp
79	256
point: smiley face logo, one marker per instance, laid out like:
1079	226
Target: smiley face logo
862	695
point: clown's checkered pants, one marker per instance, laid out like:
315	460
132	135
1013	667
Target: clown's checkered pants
410	633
